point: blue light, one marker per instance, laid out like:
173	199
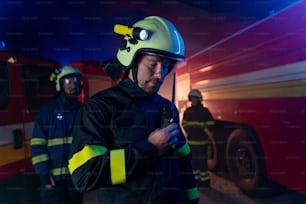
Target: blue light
2	44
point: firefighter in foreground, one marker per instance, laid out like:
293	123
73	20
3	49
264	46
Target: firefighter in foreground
198	125
120	146
52	137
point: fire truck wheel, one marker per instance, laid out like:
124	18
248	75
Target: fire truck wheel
212	153
244	162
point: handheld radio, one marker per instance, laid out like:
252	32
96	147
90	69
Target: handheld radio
167	114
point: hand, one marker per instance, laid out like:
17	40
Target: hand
51	184
163	138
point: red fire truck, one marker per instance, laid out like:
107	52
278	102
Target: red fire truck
254	83
24	88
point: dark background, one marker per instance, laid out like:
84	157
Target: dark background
75	29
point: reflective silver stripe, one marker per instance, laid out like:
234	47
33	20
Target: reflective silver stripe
39	158
59	141
201	175
38	141
60	171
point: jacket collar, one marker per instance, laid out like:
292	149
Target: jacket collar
68	104
132	89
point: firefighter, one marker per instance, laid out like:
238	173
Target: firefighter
52	137
119	146
198	124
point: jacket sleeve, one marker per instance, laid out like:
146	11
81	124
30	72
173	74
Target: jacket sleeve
209	123
93	163
39	152
183	154
185	120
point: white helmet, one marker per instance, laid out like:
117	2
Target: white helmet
161	38
59	74
195	93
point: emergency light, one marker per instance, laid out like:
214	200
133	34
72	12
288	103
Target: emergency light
2	44
133	32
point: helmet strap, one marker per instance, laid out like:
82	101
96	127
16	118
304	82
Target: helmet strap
134	70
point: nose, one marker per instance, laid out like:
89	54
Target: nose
158	71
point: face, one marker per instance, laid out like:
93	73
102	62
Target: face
71	86
152	70
194	100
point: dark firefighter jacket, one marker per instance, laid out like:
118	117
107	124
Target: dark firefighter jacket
51	139
110	150
198	124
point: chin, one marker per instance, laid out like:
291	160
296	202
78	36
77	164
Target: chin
72	95
153	91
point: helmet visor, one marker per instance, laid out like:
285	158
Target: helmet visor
167	62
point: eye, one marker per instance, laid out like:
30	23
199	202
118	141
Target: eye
152	64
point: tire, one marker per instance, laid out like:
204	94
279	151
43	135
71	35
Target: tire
244	162
212	153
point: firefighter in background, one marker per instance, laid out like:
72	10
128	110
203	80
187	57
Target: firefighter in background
52	137
198	124
120	146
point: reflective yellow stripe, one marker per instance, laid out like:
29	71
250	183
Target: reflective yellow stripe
117	164
207	131
38	141
59	141
192	193
202	178
183	151
51	142
60	171
39	158
186	123
211	122
201	142
87	153
201	175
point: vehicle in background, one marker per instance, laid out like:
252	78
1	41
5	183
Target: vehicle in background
254	84
24	88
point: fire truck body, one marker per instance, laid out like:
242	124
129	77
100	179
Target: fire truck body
20	83
254	83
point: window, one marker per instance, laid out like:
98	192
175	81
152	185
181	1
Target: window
5	87
38	89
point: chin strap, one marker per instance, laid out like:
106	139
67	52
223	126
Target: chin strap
134	69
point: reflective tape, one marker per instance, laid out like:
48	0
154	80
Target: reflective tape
39	158
207	131
192	193
201	175
182	151
186	123
39	141
60	171
87	153
117	166
59	141
200	142
51	142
